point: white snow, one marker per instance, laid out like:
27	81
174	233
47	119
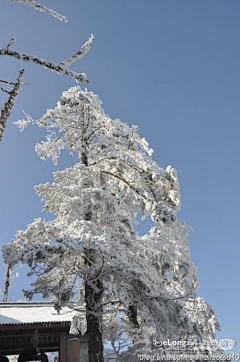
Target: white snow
18	313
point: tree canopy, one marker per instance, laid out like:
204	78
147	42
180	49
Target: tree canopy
90	255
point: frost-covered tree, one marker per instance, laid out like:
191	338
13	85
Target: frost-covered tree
133	289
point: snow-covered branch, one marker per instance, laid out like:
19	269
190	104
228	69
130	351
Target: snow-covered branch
124	181
59	68
42	8
80	53
9	104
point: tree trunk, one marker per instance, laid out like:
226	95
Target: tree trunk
7	284
93	299
132	315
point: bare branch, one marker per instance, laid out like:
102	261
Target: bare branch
6	82
5	91
9	104
59	68
42	8
81	53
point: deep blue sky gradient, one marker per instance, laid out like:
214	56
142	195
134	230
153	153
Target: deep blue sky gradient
172	68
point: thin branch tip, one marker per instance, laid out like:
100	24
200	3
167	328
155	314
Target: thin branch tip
80	53
11	43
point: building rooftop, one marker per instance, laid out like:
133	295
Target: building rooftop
32	312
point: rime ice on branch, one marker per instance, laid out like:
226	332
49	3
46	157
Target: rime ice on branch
42	8
61	68
9	104
80	53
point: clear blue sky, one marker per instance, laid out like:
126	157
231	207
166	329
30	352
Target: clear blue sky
172	68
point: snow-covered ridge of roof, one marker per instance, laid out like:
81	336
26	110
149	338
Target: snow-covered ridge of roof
32	312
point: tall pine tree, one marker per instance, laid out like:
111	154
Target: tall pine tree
90	254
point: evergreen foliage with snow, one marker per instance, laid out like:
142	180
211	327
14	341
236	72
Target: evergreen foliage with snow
134	289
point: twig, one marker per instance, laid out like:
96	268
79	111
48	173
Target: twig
80	54
5	91
6	82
